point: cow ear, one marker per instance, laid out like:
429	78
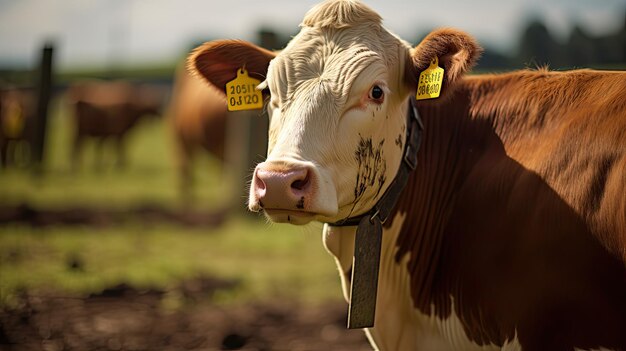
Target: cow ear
456	51
218	61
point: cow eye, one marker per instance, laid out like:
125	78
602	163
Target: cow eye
377	94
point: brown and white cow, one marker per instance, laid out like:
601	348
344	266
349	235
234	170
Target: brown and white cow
511	233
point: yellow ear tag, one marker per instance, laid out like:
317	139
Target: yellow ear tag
431	79
242	94
13	121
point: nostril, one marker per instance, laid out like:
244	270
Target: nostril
259	187
259	183
300	184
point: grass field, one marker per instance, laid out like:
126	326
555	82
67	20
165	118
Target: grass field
150	175
267	260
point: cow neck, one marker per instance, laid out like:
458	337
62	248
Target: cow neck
368	239
384	206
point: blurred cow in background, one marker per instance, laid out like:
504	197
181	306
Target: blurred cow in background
197	114
105	110
17	108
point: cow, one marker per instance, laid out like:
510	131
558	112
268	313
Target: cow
511	231
109	109
197	117
17	112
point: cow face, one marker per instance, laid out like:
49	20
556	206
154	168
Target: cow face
338	96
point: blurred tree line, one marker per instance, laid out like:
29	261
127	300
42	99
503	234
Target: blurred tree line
537	47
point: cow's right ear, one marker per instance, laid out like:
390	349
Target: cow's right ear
218	61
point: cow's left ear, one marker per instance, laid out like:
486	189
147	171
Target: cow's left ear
218	61
456	51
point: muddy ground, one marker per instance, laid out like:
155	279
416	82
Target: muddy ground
103	217
123	318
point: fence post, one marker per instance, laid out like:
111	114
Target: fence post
246	139
44	92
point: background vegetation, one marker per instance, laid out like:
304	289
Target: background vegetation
267	260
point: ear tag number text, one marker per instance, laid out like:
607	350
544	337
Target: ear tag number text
242	94
430	81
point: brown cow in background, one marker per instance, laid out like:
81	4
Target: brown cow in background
17	108
105	110
197	114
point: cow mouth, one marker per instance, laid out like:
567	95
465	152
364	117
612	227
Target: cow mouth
279	215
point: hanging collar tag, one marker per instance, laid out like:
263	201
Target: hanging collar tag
364	281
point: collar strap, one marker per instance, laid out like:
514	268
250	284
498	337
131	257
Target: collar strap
387	202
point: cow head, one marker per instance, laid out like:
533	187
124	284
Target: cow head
338	96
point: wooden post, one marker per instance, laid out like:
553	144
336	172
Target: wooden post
246	146
259	123
237	144
246	141
44	92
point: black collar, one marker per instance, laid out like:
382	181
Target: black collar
387	202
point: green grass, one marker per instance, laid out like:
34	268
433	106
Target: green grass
269	260
164	70
150	176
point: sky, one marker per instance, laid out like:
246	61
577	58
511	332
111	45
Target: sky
101	32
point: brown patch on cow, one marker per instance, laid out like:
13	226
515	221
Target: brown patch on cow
515	214
300	203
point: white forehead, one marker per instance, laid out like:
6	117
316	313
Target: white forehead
319	60
338	40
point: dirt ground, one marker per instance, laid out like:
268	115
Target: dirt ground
123	318
100	217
